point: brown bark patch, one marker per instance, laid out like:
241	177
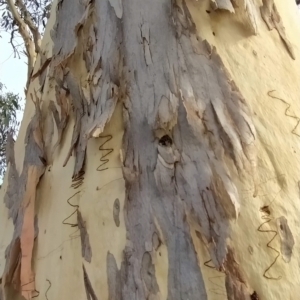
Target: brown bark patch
235	282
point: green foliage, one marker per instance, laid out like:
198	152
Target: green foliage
35	12
37	9
9	105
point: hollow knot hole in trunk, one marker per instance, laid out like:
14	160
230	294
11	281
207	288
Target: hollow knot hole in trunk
165	141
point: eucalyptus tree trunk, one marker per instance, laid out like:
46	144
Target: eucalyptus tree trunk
158	157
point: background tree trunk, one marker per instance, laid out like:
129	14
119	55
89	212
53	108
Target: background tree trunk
157	157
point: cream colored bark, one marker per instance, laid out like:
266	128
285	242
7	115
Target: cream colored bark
180	152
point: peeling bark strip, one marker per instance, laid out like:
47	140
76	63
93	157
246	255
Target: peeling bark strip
286	239
222	4
61	120
86	249
18	273
272	18
245	9
179	103
235	283
95	94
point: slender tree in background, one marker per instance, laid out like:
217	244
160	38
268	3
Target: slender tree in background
157	157
9	105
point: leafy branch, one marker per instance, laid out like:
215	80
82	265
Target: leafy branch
28	18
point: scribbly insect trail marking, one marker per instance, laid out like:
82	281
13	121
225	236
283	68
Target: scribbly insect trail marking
77	181
266	216
48	289
287	113
219	289
74	212
264	183
35	290
57	248
104	160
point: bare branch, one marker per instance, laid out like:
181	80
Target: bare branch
12	35
29	44
33	28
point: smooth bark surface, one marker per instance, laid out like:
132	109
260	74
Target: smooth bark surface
160	156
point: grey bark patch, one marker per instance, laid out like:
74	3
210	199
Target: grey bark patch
113	278
201	199
116	212
67	15
86	249
78	142
94	98
188	175
145	36
61	120
174	83
90	293
286	238
272	19
118	7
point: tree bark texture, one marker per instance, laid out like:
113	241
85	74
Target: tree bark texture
157	157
